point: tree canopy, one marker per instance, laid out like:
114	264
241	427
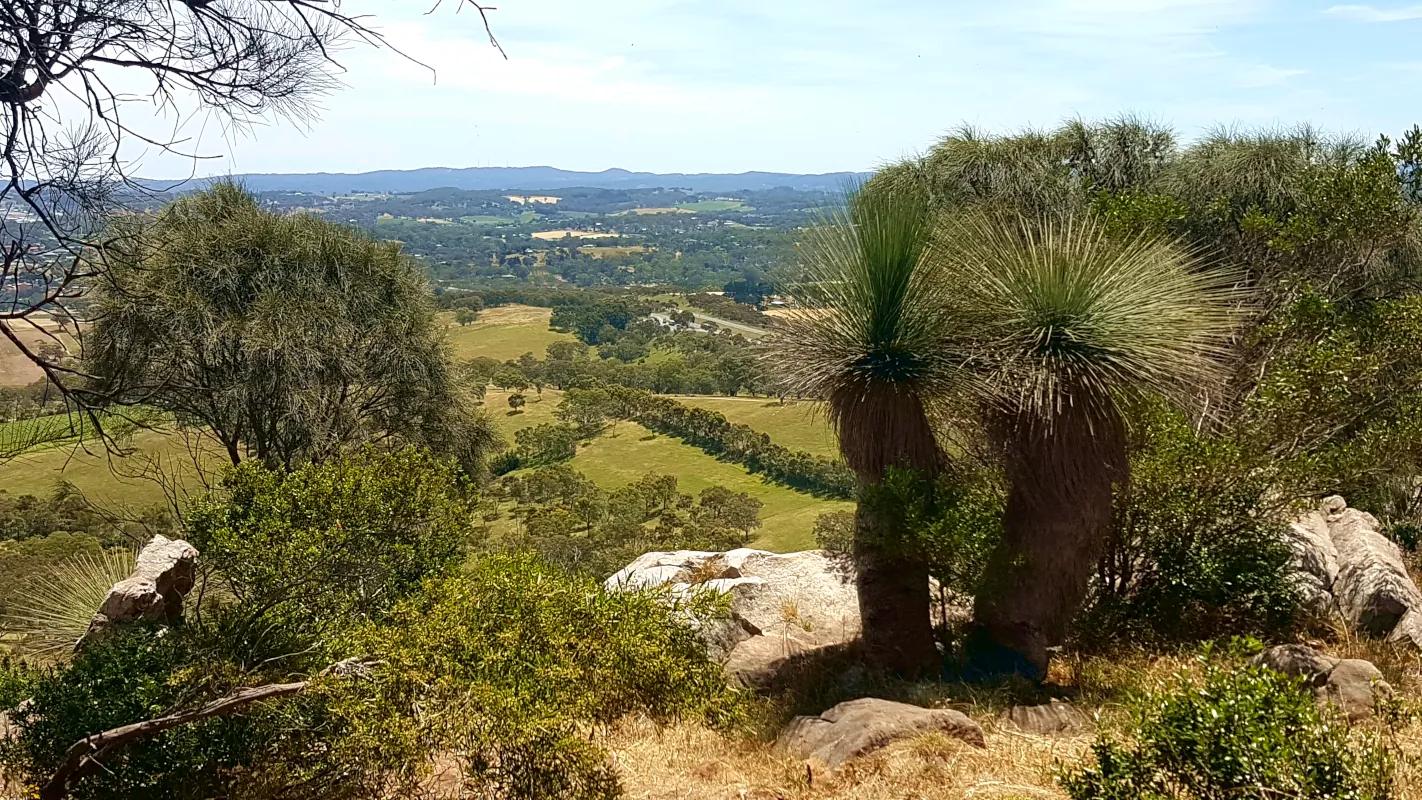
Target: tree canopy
286	338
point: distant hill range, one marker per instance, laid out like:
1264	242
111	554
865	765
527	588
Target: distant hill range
530	178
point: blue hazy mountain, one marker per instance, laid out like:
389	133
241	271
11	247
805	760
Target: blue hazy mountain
529	178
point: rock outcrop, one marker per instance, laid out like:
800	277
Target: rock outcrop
161	579
781	605
1353	685
1348	570
857	728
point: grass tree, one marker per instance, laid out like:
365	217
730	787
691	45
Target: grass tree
868	337
1070	326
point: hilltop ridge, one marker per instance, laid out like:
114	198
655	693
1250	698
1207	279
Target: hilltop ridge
526	178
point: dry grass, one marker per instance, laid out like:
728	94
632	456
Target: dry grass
596	251
18	370
687	762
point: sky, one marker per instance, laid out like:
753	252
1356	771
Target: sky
819	85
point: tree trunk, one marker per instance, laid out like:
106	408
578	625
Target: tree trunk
1055	528
893	602
880	429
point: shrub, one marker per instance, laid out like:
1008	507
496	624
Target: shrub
55	604
357	559
502	652
1197	551
952	524
1251	734
320	547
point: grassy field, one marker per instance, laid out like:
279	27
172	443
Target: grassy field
625	455
715	205
610	251
111	481
652	210
503	333
18	370
538	409
797	426
567	233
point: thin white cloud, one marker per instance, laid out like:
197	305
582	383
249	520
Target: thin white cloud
1375	14
1261	75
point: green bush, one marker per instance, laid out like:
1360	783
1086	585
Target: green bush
509	664
519	659
1196	551
1251	734
953	524
318	548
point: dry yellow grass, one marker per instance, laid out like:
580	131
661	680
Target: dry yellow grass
18	370
689	762
657	210
596	251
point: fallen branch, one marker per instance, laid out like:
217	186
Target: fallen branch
86	756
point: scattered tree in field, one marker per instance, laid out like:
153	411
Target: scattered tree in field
719	507
587	409
510	377
464	316
545	444
517	402
284	338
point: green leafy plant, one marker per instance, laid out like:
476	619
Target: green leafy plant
1248	734
1196	550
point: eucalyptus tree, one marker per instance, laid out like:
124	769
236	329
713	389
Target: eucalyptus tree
285	338
88	85
1068	327
868	337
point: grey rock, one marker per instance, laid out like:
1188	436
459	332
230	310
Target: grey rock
1350	573
1352	685
1355	687
1049	719
756	662
161	579
1373	589
1299	661
856	728
1314	561
799	596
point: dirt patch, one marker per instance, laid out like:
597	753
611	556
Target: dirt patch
566	233
15	368
514	315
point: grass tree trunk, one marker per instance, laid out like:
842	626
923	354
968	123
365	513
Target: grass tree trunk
1055	529
890	429
893	600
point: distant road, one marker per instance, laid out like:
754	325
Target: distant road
735	326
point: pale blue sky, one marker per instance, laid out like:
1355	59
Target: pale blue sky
824	85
